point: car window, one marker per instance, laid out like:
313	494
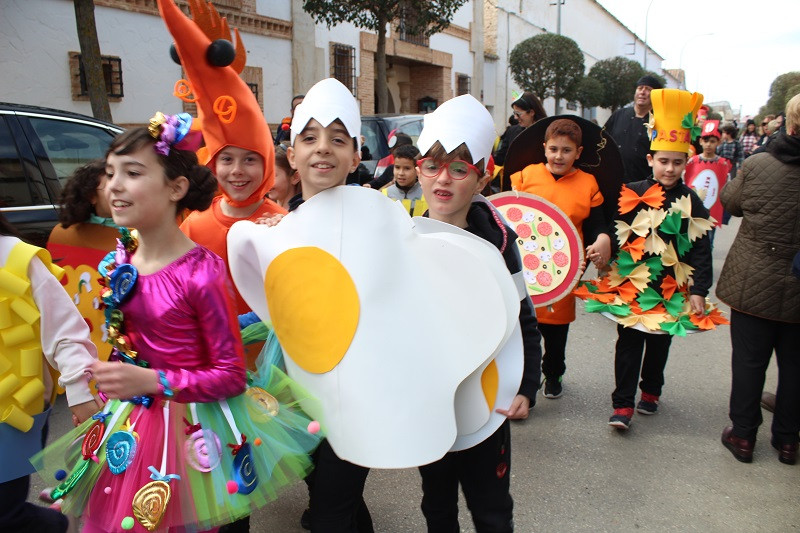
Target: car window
14	188
372	134
412	129
70	144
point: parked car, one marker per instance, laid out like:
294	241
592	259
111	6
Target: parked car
39	150
376	129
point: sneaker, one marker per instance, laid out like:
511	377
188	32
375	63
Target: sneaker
45	497
553	388
648	405
621	419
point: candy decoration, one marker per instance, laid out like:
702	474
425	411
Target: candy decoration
121	282
120	451
257	441
313	427
107	490
68	484
150	503
265	401
60	475
232	487
244	472
127	523
92	440
203	451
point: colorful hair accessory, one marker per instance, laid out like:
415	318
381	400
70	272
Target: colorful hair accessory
173	131
120	451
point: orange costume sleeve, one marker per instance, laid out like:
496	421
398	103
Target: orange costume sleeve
575	194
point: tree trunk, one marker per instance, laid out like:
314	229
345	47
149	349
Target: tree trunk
381	88
90	59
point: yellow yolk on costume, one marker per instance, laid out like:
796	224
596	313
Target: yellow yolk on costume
490	380
315	322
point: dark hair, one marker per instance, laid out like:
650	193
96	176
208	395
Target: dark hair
529	102
406	151
6	228
564	127
76	197
438	153
512	120
202	183
730	129
282	160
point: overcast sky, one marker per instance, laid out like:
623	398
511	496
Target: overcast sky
753	41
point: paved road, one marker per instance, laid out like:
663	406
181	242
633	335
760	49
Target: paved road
572	473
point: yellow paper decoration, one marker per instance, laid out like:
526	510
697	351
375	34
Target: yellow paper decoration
639	277
25	311
5	313
8	385
30	361
682	271
650	321
314	307
16	335
17	418
30	392
490	382
13	284
5	364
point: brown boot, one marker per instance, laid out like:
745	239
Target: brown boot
742	449
768	401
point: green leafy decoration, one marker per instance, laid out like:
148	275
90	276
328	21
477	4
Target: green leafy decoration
655	266
671	224
683	244
625	263
689	124
679	327
593	306
674	305
649	299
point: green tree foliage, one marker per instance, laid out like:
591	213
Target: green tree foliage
590	92
779	93
549	65
417	17
617	77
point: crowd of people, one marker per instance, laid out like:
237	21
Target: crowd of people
181	426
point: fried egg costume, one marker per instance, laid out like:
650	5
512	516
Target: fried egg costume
384	402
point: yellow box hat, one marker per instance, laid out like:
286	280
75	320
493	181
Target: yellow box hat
672	122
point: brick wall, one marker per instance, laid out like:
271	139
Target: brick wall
432	81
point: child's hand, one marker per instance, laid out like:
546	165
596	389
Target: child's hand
123	380
84	411
519	409
698	304
271	220
599	252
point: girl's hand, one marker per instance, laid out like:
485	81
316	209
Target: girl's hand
698	304
123	380
84	411
270	220
599	252
519	409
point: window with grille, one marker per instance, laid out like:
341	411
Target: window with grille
343	65
572	106
112	73
462	84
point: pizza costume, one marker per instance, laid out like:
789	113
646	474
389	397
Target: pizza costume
199	454
707	178
575	194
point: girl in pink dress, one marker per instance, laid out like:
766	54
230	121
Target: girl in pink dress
182	444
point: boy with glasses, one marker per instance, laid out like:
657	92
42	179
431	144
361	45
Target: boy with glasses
456	142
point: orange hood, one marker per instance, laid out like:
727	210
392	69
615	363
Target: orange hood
228	111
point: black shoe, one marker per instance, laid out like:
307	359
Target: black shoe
621	419
553	388
648	404
305	519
